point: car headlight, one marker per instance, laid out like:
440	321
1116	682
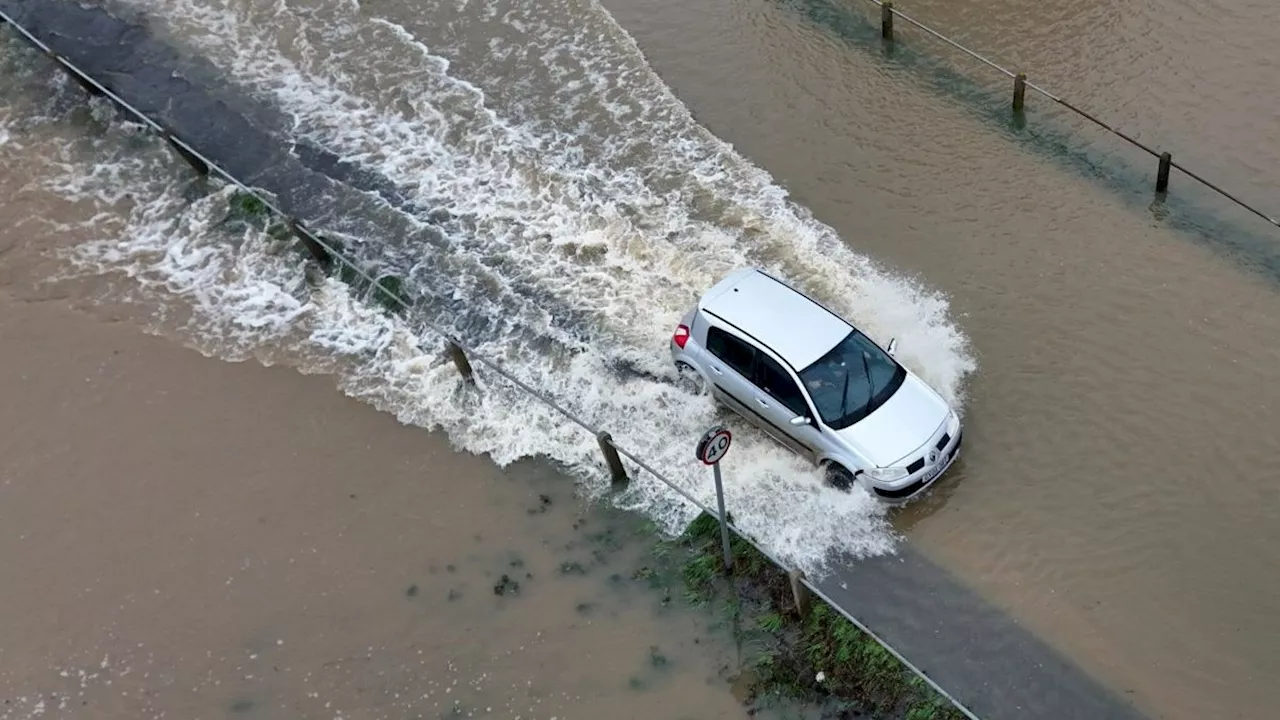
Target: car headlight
888	474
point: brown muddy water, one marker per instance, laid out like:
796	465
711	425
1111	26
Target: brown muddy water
1119	492
184	537
1117	358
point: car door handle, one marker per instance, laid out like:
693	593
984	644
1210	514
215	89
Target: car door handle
716	370
763	402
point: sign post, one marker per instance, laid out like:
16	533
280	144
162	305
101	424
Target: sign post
711	449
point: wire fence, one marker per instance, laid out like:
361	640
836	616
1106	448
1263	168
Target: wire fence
887	14
327	254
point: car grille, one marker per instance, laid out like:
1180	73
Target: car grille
913	467
918	465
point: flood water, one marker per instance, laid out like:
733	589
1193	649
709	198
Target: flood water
1118	491
1116	358
182	536
189	538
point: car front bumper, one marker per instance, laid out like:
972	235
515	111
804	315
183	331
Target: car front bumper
912	486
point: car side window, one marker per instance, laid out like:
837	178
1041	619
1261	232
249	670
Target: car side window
775	381
736	354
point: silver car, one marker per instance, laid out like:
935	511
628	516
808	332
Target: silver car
818	385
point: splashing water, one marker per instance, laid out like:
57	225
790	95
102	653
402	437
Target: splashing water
587	212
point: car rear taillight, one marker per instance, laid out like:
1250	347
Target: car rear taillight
681	336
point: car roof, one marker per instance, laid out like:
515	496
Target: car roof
795	327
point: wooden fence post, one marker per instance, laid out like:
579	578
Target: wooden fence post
1162	175
800	593
616	471
886	20
200	166
309	241
460	360
1019	91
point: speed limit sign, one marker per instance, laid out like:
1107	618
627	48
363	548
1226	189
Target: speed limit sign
711	450
714	445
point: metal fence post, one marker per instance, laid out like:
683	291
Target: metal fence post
886	20
1162	174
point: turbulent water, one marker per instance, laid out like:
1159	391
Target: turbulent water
577	210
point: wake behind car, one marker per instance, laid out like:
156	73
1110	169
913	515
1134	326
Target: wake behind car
817	385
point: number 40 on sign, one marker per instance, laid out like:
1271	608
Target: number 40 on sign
714	445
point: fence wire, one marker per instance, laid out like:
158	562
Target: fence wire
889	8
335	253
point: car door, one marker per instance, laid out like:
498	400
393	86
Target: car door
778	400
731	363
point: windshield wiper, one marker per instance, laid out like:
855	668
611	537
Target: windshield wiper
870	394
844	396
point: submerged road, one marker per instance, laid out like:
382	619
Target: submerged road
998	669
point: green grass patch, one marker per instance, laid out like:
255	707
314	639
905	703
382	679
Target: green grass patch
246	210
506	586
279	232
700	574
392	288
247	205
389	291
771	622
348	274
572	568
787	652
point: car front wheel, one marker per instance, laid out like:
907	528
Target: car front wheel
838	477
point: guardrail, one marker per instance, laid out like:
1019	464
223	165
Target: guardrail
1020	84
327	254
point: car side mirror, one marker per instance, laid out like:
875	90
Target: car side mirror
893	346
800	420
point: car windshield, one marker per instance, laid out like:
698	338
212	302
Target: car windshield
852	380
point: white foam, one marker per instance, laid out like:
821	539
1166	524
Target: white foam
522	183
566	234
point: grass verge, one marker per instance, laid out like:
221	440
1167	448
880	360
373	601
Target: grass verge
823	658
